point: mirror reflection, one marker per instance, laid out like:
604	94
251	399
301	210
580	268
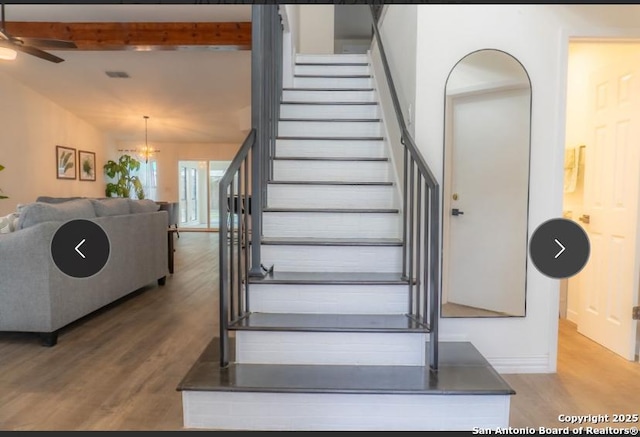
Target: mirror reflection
486	186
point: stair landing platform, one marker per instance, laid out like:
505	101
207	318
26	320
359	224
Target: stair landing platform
466	392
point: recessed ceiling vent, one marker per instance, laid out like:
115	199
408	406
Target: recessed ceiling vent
117	74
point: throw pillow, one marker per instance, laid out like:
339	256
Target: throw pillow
143	205
6	224
39	212
109	207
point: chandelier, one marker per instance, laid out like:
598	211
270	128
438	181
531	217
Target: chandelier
145	152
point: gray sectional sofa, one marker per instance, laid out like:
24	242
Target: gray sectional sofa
35	296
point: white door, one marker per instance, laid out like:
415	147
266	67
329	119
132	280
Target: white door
488	164
612	177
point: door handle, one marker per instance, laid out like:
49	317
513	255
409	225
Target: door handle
456	211
585	218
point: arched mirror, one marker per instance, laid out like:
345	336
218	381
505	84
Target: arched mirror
486	186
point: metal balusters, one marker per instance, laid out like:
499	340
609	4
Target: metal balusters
423	277
434	282
410	241
419	268
243	188
247	241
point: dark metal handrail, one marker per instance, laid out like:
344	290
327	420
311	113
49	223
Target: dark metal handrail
243	188
234	248
421	223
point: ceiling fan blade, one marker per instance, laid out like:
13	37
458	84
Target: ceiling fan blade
47	43
37	52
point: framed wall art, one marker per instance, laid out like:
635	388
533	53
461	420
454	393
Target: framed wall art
65	162
87	165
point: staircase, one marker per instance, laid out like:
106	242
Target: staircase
328	343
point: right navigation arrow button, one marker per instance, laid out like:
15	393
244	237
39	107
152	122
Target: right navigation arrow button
561	248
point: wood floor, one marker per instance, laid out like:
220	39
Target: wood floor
118	369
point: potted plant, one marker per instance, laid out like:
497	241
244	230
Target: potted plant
125	182
1	196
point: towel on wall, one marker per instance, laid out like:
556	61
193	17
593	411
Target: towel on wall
571	166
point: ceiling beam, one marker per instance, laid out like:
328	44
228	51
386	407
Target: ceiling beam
140	36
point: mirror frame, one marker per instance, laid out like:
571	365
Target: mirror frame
445	175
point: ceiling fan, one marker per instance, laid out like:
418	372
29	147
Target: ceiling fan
30	45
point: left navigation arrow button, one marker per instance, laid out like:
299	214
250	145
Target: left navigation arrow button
78	248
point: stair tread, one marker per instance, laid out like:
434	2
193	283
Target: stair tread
336	76
327	89
332	138
462	370
333	120
335	210
328	323
333	64
328	158
335	278
289	102
300	241
329	183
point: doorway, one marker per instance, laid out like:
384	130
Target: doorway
602	184
198	194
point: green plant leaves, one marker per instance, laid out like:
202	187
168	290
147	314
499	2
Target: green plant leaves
87	168
125	182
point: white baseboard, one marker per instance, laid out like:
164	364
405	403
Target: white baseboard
527	364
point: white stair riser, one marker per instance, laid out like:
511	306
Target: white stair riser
344	171
330	148
330	196
328	96
331	348
332	70
328	299
332	82
327	129
296	258
342	412
329	111
332	59
331	225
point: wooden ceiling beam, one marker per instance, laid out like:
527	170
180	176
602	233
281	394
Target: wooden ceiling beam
140	36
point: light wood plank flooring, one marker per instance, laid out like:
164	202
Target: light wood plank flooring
118	369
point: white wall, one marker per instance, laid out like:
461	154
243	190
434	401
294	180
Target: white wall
398	29
537	35
352	28
290	21
315	29
171	153
398	32
31	126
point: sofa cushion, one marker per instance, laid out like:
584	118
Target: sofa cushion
48	199
143	205
39	212
108	207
